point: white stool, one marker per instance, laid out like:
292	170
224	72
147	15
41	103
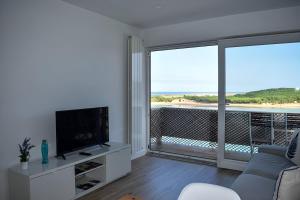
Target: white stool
203	191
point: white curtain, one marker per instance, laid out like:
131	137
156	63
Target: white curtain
136	97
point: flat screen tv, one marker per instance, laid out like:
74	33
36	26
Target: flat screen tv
78	129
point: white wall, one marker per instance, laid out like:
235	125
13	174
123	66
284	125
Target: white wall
284	19
55	56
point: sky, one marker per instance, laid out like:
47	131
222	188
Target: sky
248	68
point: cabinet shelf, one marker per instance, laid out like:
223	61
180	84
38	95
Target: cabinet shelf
87	184
85	168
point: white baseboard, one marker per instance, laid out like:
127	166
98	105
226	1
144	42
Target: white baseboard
138	154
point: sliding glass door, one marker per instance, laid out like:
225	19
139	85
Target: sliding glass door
184	101
259	95
221	101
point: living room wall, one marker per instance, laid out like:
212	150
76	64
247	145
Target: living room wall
277	20
55	56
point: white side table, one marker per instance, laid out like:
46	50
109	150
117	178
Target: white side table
203	191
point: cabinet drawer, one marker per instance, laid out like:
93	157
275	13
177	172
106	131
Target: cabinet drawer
59	185
118	164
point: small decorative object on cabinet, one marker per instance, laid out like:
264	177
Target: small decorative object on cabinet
44	150
24	149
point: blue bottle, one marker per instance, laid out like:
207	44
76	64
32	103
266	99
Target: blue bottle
44	149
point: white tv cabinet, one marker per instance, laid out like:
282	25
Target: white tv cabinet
58	180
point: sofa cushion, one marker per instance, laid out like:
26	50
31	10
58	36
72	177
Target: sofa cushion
253	187
267	165
288	184
293	152
272	149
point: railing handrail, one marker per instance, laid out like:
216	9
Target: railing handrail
231	110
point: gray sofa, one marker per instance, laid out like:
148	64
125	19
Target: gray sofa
258	181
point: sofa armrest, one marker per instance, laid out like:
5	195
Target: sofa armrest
272	149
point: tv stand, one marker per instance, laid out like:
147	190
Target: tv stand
72	178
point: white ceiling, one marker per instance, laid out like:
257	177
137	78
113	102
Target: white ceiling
150	13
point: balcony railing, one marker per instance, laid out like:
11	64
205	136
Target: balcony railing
193	131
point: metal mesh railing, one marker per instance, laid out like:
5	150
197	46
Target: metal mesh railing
184	131
261	127
281	133
191	124
237	136
193	131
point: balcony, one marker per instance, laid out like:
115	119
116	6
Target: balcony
193	131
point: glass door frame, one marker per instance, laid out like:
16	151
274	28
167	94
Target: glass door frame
222	162
148	85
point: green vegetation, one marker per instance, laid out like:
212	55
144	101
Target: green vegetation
273	96
163	98
203	99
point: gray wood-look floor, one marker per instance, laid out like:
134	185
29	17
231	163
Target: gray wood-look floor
155	178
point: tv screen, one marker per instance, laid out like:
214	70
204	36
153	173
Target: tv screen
78	129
